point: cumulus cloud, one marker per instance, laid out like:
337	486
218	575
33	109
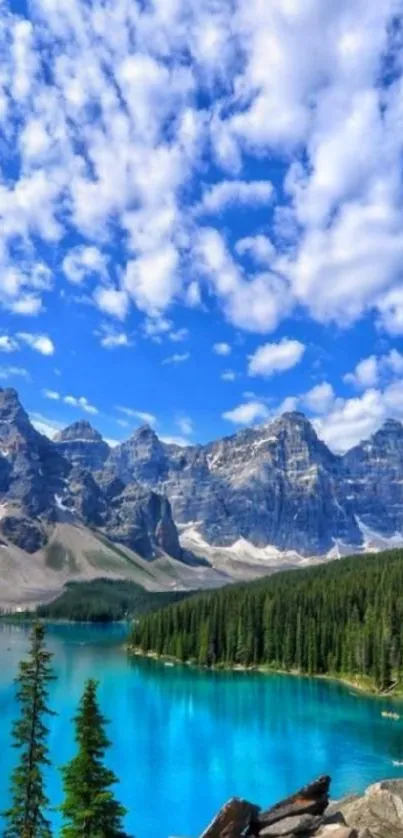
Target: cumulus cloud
179	335
319	398
230	192
272	358
107	128
82	261
8	344
355	419
247	413
370	371
222	349
255	303
228	375
112	301
40	343
259	248
53	395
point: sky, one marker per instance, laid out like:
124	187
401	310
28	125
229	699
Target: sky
201	215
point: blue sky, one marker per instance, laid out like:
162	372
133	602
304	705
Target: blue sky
201	219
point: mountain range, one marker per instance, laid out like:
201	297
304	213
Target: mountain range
196	516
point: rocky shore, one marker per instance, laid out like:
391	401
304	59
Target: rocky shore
378	813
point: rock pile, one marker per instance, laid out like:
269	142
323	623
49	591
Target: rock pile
308	812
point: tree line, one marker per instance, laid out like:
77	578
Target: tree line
344	617
89	808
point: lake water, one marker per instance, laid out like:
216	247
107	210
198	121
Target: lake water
185	741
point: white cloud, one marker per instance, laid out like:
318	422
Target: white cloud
53	395
272	358
228	375
179	335
222	349
390	307
154	327
288	405
370	371
229	192
112	301
8	344
320	398
13	372
83	261
40	343
113	341
80	402
147	418
254	303
177	358
185	425
365	374
111	337
153	280
110	128
247	413
259	248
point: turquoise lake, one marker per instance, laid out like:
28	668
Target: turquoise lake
185	741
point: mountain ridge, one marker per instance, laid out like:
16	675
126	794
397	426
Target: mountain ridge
265	497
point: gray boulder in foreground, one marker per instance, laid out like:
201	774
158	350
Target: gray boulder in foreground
378	813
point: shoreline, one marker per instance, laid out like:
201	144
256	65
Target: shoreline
360	684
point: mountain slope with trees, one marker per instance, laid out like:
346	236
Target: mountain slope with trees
342	618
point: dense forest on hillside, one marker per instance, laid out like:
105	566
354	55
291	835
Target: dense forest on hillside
344	617
105	600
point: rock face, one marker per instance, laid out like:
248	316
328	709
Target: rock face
82	445
377	814
277	484
32	474
42	482
373	478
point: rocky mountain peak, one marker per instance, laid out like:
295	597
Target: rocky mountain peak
80	430
82	445
14	421
144	432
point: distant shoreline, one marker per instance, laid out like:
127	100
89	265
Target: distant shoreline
359	684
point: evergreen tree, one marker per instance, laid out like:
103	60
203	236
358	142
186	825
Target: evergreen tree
90	809
26	817
342	617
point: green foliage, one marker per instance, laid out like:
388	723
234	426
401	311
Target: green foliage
105	600
26	817
90	809
344	617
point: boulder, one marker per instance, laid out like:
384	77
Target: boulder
336	831
233	820
379	811
294	825
310	800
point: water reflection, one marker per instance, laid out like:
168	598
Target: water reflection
186	740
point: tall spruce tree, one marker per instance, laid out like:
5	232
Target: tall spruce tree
26	817
90	809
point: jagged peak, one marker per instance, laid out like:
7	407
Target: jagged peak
391	425
144	431
79	430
